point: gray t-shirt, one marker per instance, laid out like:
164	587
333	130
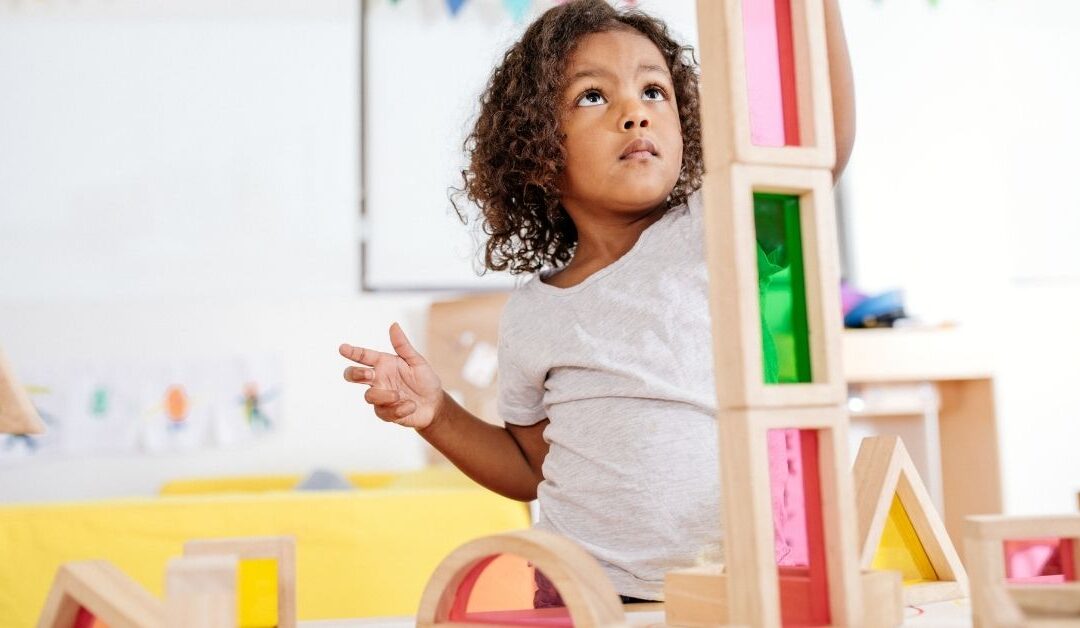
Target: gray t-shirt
621	364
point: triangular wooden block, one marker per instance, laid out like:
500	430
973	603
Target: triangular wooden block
888	490
105	592
17	413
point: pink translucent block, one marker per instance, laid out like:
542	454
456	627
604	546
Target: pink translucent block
770	72
1042	560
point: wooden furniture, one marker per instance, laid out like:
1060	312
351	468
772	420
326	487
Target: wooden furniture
959	362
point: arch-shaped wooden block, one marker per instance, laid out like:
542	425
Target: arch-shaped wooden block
589	596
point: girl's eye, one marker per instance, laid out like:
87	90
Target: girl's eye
591	98
654	93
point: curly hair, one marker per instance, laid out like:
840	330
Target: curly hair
516	151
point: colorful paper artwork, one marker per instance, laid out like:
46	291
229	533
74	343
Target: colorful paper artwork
146	407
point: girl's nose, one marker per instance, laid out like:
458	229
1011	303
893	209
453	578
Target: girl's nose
633	121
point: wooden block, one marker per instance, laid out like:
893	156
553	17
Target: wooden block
731	256
279	548
996	603
105	592
1056	600
883	472
697	597
749	532
1003	527
17	413
201	591
589	596
257	592
883	599
725	102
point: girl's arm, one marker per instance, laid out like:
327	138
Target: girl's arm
404	389
504	460
843	87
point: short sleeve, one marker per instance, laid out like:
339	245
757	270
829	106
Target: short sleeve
520	390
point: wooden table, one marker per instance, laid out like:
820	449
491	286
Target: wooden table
954	614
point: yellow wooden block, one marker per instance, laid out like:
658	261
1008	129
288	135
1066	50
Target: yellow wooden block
257	592
901	550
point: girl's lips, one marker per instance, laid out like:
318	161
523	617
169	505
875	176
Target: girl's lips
639	154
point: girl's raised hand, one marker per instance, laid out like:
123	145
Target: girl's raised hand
402	385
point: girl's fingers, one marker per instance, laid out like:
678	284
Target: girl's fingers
359	354
381	396
394	412
359	375
404	409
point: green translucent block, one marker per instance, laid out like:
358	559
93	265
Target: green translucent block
785	334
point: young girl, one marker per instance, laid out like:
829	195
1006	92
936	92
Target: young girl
585	162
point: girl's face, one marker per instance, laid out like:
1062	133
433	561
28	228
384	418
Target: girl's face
619	90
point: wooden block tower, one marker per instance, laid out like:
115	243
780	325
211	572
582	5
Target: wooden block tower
771	249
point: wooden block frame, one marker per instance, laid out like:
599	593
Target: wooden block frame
280	548
697	597
201	591
883	469
17	413
589	596
750	558
996	603
103	590
725	109
732	262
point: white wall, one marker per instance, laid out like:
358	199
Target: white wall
956	191
181	179
216	212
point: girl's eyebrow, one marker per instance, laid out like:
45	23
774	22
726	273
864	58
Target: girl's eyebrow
601	72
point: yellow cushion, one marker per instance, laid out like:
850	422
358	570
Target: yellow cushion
231	484
362	553
431	477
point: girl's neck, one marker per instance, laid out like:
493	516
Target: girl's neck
600	243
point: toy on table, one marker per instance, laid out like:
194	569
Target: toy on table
266	585
899	528
17	413
450	597
218	583
998	601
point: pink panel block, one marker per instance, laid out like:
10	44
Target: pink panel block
763	73
788	500
1039	560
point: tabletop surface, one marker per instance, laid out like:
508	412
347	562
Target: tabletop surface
951	614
